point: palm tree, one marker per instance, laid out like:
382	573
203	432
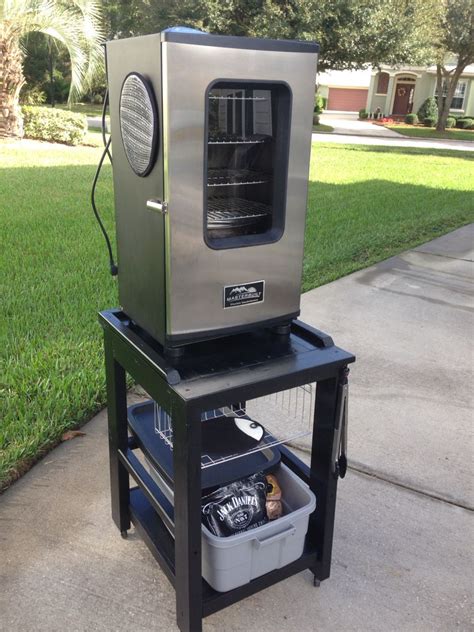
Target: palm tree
74	23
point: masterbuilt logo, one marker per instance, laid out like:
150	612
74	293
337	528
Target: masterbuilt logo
244	294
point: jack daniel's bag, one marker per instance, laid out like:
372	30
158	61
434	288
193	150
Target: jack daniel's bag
236	507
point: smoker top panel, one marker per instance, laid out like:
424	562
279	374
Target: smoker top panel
231	41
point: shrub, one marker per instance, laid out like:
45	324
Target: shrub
464	123
318	104
55	125
428	109
450	122
411	119
363	114
97	99
430	121
32	96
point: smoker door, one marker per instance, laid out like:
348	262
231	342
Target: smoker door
237	134
247	131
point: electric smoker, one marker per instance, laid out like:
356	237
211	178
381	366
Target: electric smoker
211	139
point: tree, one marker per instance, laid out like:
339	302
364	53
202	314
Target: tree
456	40
74	23
46	68
352	33
127	18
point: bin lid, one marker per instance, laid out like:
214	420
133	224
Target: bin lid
141	421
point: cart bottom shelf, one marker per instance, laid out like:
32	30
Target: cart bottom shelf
161	544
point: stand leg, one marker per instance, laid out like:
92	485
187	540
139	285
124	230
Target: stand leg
187	514
117	420
323	482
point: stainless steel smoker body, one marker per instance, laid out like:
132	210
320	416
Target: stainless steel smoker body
211	141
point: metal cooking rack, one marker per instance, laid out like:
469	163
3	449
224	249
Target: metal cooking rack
236	177
234	211
234	139
232	98
278	413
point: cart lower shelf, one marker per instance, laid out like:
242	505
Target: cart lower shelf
161	544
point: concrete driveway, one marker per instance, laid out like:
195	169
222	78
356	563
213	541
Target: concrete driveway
348	123
409	320
402	558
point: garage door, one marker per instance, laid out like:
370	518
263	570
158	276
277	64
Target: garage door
347	100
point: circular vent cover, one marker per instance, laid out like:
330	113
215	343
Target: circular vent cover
138	123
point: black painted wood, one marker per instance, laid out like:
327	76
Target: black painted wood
118	437
153	493
323	481
207	376
153	532
187	510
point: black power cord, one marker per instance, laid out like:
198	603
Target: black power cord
113	265
106	152
103	125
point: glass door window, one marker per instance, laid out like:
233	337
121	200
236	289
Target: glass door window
248	127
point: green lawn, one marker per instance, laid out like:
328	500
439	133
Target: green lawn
365	204
93	138
89	109
323	128
430	132
53	280
368	203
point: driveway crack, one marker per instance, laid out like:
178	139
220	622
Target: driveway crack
438	254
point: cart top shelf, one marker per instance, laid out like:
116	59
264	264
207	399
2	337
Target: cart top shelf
254	361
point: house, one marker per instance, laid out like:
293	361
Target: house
345	90
395	91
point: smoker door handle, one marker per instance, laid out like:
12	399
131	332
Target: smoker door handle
157	205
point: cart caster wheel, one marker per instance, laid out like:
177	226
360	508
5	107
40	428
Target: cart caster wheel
124	534
316	582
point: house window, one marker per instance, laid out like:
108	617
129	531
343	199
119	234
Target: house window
382	82
459	94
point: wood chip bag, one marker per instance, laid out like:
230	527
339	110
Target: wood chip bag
237	507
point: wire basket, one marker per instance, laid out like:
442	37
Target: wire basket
285	415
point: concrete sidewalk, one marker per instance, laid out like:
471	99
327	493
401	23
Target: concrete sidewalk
349	130
402	558
401	141
409	320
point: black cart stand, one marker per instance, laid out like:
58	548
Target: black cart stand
209	376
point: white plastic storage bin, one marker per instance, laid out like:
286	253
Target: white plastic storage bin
236	560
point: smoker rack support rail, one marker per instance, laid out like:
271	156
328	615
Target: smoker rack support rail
198	381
